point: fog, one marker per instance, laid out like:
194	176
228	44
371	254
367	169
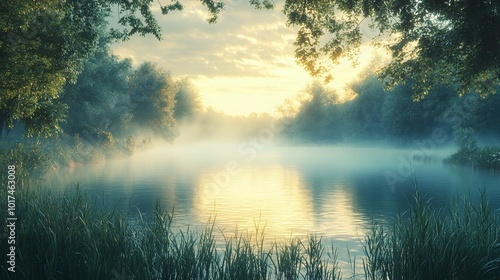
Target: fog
327	163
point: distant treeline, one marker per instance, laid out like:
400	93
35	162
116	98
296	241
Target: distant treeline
371	113
110	109
113	99
113	108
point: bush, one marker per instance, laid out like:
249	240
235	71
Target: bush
484	158
469	154
30	161
488	158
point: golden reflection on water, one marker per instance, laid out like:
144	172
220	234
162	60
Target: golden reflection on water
338	215
269	196
276	196
272	196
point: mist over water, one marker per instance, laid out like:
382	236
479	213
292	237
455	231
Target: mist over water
287	191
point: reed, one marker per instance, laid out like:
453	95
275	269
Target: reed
70	236
67	235
288	259
461	242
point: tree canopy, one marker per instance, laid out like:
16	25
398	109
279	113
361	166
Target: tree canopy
187	100
431	41
392	116
43	43
152	94
99	99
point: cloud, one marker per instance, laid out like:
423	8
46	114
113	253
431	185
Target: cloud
244	41
243	63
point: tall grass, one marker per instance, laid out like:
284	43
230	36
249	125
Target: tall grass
461	242
70	236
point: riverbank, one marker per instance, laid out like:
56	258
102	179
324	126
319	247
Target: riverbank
470	154
71	235
487	158
35	157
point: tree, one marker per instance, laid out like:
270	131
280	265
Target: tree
406	120
431	41
187	100
44	43
316	118
480	114
465	139
40	49
362	115
152	100
99	99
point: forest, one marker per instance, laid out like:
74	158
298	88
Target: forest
62	86
114	108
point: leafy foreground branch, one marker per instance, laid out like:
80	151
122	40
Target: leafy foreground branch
69	236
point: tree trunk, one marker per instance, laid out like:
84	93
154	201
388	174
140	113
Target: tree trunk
3	121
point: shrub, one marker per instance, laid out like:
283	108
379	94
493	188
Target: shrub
30	161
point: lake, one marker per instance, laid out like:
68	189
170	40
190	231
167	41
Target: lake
334	192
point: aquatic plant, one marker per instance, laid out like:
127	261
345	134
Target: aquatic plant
70	235
461	242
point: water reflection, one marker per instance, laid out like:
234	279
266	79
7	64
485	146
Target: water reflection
337	216
293	191
267	194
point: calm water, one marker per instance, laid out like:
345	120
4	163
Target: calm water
332	191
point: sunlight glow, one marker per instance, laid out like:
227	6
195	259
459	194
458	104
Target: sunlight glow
345	223
281	204
241	95
245	63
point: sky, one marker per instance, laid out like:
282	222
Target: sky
244	63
